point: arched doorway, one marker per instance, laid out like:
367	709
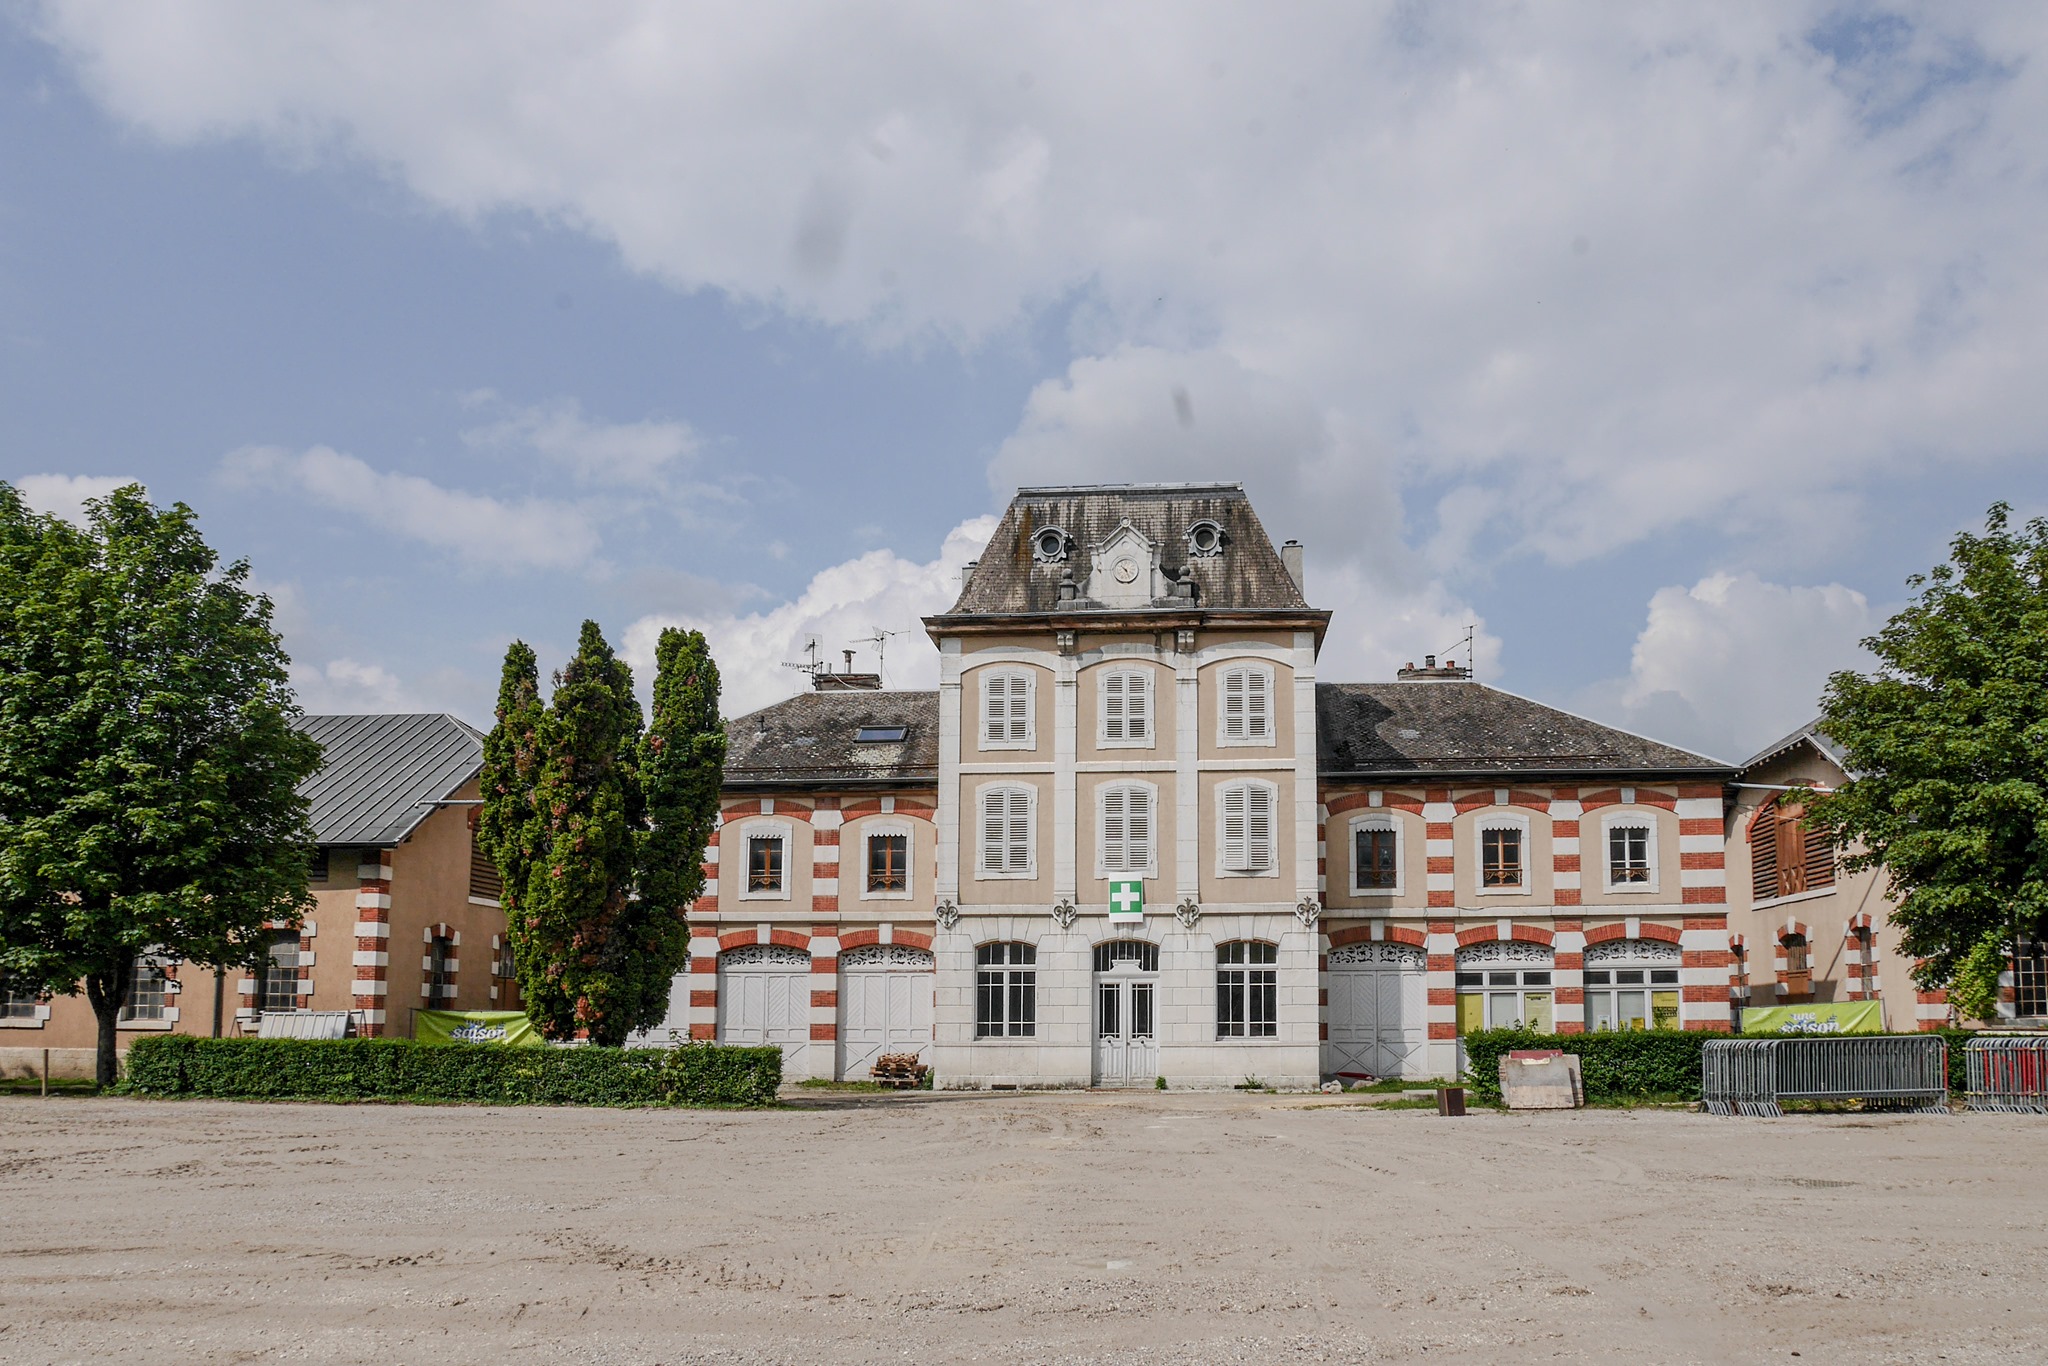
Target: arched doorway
1379	1011
1126	987
764	997
885	1005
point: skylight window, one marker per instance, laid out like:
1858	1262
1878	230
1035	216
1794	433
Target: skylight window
876	735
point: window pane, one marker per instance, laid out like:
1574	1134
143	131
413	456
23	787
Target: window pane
1108	996
1630	1010
1229	1004
1263	1005
1536	1011
1663	1010
1599	1010
888	860
1471	1012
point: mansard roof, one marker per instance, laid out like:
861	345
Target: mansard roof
813	740
380	775
1245	574
1441	729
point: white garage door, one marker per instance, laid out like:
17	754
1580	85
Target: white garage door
1378	1014
764	997
885	1005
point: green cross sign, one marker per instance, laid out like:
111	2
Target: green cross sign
1126	901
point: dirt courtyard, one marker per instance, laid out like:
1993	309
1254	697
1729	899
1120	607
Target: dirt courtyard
1040	1228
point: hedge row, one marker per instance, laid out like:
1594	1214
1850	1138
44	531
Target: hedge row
1634	1065
401	1069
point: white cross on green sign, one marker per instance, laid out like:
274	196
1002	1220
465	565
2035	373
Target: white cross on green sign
1126	901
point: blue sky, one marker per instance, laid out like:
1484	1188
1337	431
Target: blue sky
1662	348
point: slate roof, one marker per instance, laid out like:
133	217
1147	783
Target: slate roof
1441	728
1810	733
1247	576
378	769
809	741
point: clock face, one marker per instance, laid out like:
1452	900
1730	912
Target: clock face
1126	571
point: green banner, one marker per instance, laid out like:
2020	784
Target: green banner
1127	902
476	1026
1836	1017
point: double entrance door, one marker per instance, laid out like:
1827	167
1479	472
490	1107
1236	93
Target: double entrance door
1126	988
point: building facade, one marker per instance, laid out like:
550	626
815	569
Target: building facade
1133	837
406	912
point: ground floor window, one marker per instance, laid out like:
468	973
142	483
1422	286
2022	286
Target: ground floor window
1005	991
17	1001
1504	986
1632	984
146	988
277	982
2030	980
1247	990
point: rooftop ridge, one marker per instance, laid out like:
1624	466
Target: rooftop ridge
1039	490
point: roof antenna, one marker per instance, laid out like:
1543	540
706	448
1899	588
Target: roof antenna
811	666
880	640
1471	663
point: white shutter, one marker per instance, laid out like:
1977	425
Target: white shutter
994	707
1115	831
1258	829
1234	828
1257	704
1233	703
994	830
1114	705
1137	830
1138	706
1020	707
1020	830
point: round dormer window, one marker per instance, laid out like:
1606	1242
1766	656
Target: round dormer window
1049	546
1205	539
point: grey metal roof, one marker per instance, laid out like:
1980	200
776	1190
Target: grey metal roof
377	770
1808	734
810	740
1247	575
1441	728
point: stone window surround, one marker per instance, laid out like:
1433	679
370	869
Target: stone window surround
1377	819
762	827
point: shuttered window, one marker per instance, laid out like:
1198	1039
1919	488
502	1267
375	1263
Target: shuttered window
1006	842
1246	838
1127	707
1006	709
1248	705
1127	815
1786	858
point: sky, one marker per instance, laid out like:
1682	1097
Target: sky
1656	344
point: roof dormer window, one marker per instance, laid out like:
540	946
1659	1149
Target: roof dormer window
1205	539
1050	545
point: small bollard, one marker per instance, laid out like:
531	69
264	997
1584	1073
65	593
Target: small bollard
1450	1100
46	1074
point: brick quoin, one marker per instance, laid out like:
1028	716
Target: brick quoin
1692	825
821	964
1440	1030
707	1000
1442	996
1704	896
1712	790
1565	896
825	1000
824	1033
1565	830
1442	900
704	1033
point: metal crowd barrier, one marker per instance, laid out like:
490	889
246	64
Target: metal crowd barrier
2008	1073
1753	1076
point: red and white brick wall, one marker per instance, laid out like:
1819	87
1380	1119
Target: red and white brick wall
373	943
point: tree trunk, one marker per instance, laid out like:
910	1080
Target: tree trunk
108	992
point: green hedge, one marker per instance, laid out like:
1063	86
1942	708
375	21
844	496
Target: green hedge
1634	1065
1615	1065
401	1069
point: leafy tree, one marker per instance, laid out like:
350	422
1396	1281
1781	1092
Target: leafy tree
599	834
1947	743
149	764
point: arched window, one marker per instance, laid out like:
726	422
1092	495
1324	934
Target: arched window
1124	706
1005	991
1504	985
1376	854
1245	822
1632	984
1247	990
1139	954
1008	844
1007	715
1127	831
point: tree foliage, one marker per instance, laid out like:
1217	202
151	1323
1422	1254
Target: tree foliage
149	762
1947	745
598	829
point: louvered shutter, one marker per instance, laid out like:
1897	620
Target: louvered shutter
1116	849
1115	706
994	830
1020	830
1257	705
995	707
1791	851
1258	828
1137	829
1233	704
1763	854
1137	706
1020	707
1234	828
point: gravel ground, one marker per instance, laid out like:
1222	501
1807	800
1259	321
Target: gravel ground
1133	1228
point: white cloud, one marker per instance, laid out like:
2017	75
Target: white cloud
346	687
839	607
637	454
1623	270
64	495
1733	662
481	531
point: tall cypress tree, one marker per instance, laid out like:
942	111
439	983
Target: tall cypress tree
682	760
507	829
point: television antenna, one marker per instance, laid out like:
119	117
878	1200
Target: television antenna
880	640
811	666
1465	643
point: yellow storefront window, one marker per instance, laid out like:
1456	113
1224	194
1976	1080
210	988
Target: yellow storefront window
1471	1014
1663	1010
